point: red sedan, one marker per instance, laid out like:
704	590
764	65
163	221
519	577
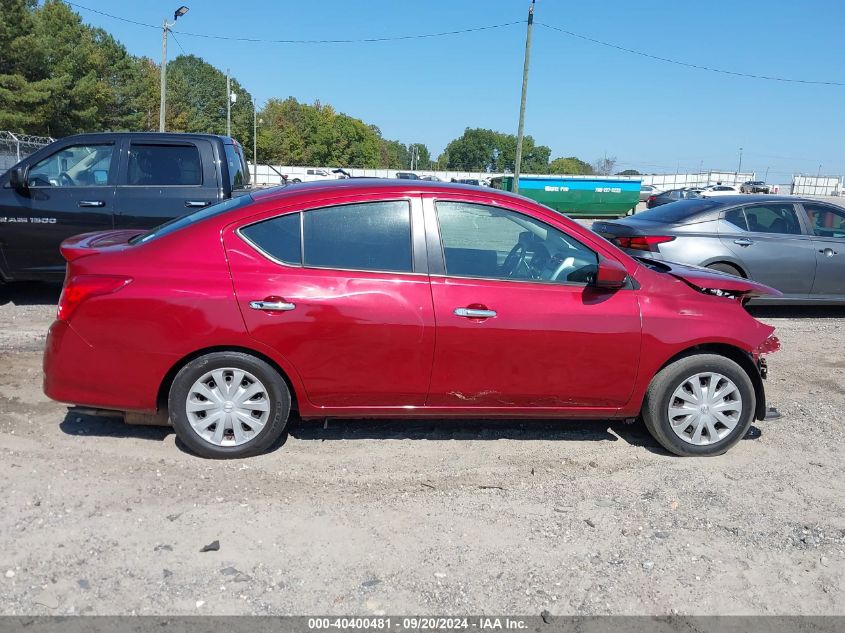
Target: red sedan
395	299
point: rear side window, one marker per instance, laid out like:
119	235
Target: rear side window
280	238
369	236
164	165
737	218
773	218
237	169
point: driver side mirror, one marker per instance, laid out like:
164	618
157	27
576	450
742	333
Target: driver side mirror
17	178
610	274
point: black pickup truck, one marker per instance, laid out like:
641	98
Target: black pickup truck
93	182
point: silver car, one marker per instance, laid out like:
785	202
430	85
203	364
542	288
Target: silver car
796	245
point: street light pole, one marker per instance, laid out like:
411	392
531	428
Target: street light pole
739	169
228	105
165	27
254	143
521	130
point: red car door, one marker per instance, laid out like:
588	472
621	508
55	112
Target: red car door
338	291
517	323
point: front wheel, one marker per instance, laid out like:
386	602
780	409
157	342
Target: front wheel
699	405
228	404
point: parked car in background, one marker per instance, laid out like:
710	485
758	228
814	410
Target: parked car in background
646	191
92	182
714	191
312	175
755	186
665	197
407	175
793	244
389	299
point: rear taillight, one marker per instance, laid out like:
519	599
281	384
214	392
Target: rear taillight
642	242
652	198
81	287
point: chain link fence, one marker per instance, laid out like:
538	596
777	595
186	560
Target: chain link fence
14	147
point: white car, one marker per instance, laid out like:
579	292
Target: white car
714	191
311	175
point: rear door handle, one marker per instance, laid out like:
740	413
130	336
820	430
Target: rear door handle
272	306
743	241
828	252
92	203
474	313
195	204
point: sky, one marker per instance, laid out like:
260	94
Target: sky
584	99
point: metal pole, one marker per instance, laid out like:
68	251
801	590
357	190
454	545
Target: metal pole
766	177
521	131
254	143
228	105
163	102
739	169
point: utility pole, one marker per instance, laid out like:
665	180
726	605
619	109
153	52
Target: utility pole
521	131
165	27
739	169
228	105
254	143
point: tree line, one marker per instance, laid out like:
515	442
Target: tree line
59	76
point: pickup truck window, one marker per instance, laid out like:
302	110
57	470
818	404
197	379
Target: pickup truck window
164	165
74	166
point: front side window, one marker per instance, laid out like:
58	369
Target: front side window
74	166
369	236
826	221
773	218
494	243
163	165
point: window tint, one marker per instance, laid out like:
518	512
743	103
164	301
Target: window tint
493	243
279	238
369	236
773	218
74	166
237	169
826	221
164	165
737	218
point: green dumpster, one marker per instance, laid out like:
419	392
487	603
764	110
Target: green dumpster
590	196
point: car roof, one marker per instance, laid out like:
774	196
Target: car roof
362	185
151	136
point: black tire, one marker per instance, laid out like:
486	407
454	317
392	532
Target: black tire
722	267
277	394
663	385
296	181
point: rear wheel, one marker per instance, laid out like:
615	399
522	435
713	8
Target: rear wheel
726	268
228	405
699	405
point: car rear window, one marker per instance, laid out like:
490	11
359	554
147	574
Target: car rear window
678	212
192	218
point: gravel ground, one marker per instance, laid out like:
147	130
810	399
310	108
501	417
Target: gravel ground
422	517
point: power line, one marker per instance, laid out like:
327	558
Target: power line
365	40
689	65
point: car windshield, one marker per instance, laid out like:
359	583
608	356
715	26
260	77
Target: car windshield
679	211
186	220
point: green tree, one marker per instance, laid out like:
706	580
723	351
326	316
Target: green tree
481	149
395	155
571	166
629	172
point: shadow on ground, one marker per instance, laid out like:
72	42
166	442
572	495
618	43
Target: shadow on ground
30	293
633	433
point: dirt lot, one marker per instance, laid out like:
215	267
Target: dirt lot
448	518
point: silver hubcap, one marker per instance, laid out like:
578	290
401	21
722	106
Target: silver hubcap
705	408
228	407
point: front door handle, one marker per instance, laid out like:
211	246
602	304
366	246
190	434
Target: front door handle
474	313
196	204
92	203
828	252
743	241
272	306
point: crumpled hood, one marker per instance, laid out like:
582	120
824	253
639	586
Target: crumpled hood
714	282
